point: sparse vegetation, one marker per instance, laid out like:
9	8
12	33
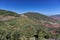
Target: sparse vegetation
25	26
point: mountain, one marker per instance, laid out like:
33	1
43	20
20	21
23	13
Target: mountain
42	19
7	15
27	25
20	27
56	17
37	16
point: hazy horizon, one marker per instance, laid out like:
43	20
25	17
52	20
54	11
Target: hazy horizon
46	7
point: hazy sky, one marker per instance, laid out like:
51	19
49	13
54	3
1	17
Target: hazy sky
47	7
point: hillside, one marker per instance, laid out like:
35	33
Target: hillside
27	25
37	16
7	15
23	27
42	19
56	17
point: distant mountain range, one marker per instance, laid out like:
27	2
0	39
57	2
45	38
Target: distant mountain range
56	17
